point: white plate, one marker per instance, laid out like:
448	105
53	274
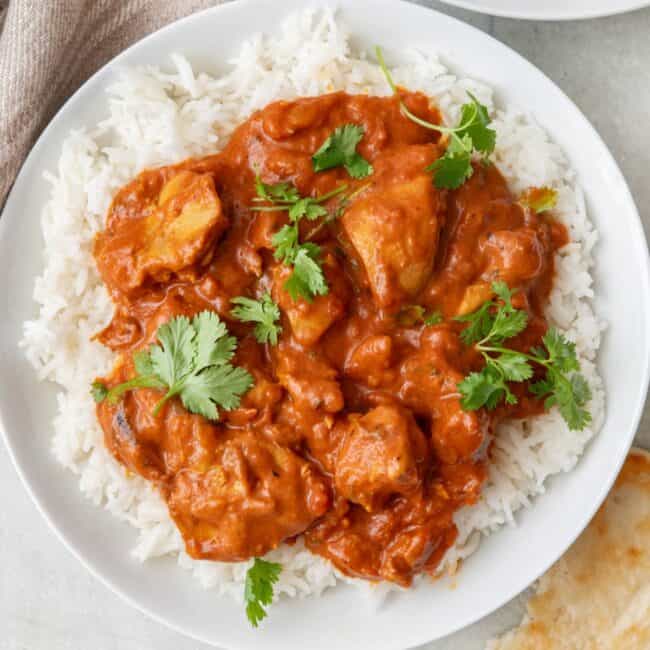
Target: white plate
508	561
550	9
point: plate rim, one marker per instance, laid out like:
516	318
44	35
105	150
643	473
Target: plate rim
247	6
546	16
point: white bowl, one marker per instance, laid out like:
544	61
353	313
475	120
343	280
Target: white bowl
550	9
509	560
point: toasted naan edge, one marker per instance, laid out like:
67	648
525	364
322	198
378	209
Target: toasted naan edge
597	596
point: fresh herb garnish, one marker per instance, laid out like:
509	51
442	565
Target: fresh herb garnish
487	330
263	312
569	393
192	362
258	590
413	314
339	150
433	318
492	322
470	135
307	279
539	199
99	391
284	192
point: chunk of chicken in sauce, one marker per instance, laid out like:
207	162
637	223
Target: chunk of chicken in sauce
382	453
489	237
394	229
157	228
428	385
255	495
353	435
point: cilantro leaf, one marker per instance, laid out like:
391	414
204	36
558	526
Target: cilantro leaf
285	243
142	362
451	170
493	323
284	192
258	589
216	385
581	390
561	351
99	391
502	290
358	167
338	147
433	318
264	313
513	366
480	389
172	360
192	362
480	324
474	120
213	346
307	279
339	150
508	323
306	207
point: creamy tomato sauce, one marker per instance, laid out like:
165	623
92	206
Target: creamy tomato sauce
352	435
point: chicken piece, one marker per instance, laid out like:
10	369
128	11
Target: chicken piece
394	230
259	402
434	367
309	378
429	386
122	441
409	534
370	360
458	435
514	256
255	495
158	236
310	320
381	454
284	119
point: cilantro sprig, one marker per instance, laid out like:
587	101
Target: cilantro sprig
263	312
340	150
307	279
258	589
192	361
470	135
487	329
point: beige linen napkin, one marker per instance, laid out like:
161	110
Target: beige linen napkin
49	47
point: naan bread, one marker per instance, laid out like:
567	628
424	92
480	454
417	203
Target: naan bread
597	596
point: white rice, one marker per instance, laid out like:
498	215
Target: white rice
157	118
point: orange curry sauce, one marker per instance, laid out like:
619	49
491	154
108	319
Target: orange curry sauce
353	436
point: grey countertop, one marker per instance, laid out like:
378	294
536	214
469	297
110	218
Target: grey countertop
48	601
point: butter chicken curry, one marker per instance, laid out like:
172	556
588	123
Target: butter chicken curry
350	429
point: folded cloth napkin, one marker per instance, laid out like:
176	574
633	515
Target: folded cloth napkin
49	47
